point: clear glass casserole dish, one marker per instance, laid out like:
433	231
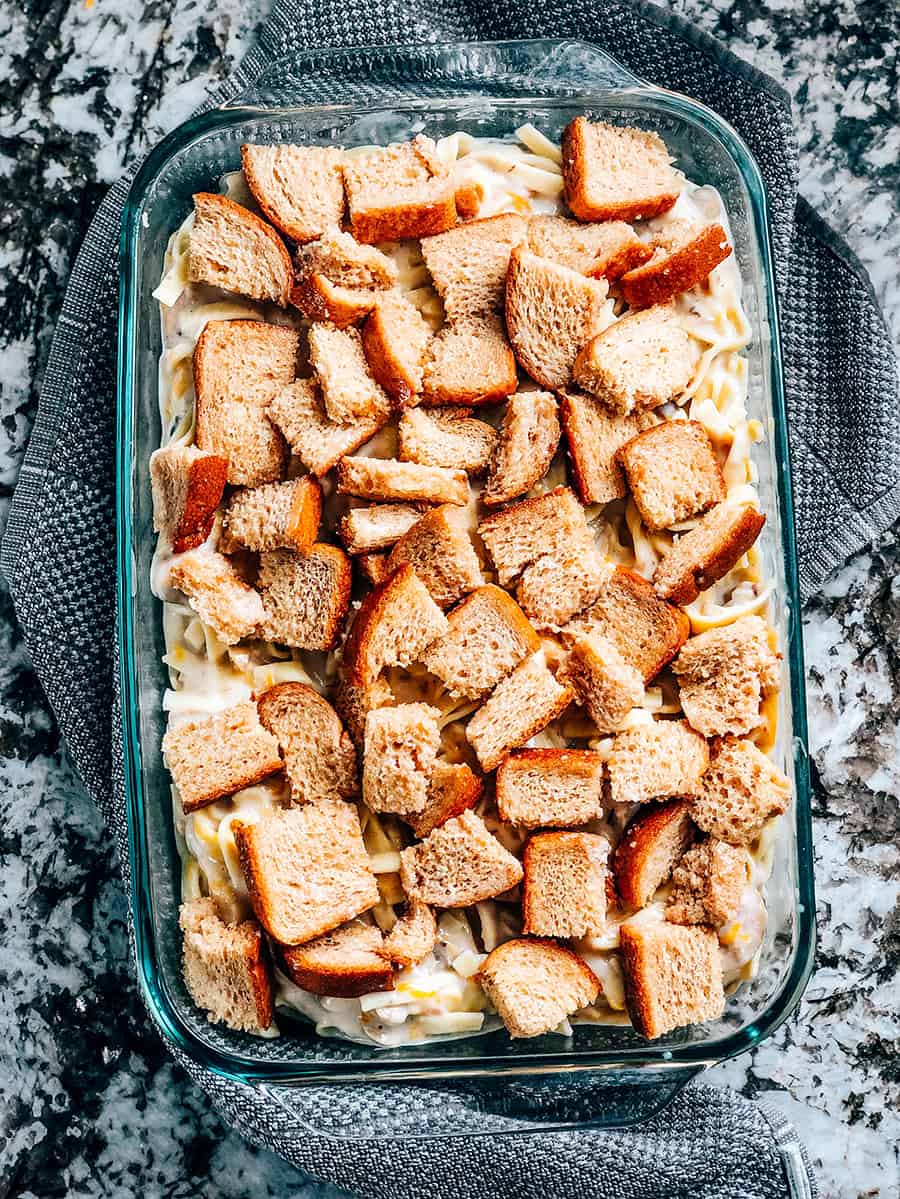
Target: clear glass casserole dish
488	90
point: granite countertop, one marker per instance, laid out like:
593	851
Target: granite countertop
90	1104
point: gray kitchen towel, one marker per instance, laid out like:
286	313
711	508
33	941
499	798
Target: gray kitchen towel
58	555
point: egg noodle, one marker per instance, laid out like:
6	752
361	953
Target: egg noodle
438	998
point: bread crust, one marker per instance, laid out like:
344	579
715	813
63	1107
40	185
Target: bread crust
641	839
658	281
365	623
640	998
251	222
387	369
321	300
206	482
576	166
336	979
714	566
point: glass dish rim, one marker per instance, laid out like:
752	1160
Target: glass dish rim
161	1005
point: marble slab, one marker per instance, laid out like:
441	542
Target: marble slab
90	1104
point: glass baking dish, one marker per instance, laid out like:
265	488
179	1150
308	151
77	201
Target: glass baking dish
486	89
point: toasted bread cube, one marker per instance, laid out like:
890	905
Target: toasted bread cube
672	472
340	281
226	968
298	412
707	552
458	864
319	757
306	870
724	674
440	549
536	984
345	963
615	173
395	339
349	392
742	790
518	708
469	362
452	790
377	526
413	937
557	586
400	191
318	299
394	626
708	884
641	362
553	523
343	261
682	259
305	596
543	788
212	758
354	701
401	745
446	437
468	264
487	637
650	848
646	631
605	685
239	367
564	889
218	594
593	435
231	248
551	313
276	515
673	976
373	567
299	188
657	761
528	440
387	479
469	199
187	487
606	250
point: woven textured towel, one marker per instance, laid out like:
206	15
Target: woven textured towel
58	555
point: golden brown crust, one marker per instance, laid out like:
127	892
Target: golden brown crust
306	514
260	970
422	218
511	613
321	300
364	624
640	840
714	566
469	199
387	370
575	172
658	281
338	981
237	212
628	258
463	795
206	482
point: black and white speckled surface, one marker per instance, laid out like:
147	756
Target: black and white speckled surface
89	1102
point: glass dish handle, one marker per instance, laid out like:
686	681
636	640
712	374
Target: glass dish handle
477	1107
539	66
